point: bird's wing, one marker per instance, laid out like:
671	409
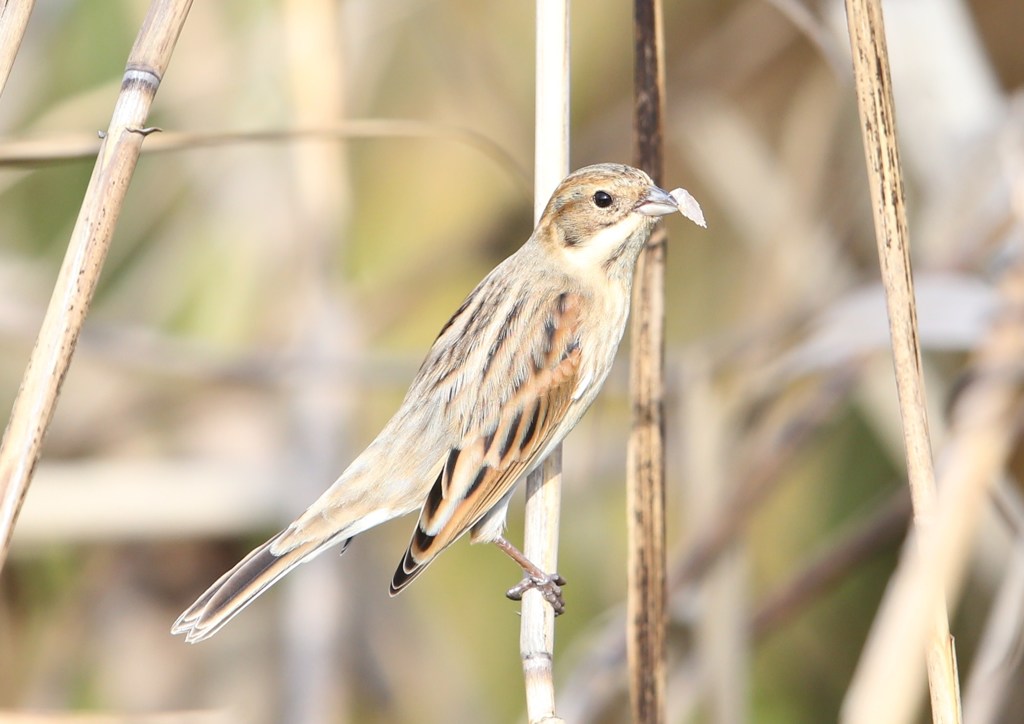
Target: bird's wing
482	469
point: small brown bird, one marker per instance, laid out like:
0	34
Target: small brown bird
507	378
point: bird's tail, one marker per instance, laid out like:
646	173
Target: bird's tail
240	586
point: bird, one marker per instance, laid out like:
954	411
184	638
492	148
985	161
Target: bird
507	377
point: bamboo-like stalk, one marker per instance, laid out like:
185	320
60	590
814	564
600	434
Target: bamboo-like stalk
87	249
544	486
646	618
875	102
14	16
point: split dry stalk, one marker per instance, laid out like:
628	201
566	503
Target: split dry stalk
646	618
87	249
875	102
544	485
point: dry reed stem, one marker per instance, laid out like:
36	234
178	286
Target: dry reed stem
35	152
646	618
544	485
14	16
875	102
87	249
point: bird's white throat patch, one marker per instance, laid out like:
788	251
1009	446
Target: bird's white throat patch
593	252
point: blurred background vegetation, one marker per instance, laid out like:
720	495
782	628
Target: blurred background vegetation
265	304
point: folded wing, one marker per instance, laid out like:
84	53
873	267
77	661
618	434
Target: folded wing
542	375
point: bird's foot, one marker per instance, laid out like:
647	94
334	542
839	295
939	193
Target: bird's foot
549	585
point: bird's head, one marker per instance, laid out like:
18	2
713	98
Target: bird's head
600	217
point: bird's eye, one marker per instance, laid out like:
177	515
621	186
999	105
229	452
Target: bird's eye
602	199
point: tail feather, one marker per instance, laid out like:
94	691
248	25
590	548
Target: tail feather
240	586
407	571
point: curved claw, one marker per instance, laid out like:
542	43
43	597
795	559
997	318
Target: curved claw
549	585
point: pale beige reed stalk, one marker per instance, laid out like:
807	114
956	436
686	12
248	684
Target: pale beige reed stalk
878	125
544	485
87	249
14	15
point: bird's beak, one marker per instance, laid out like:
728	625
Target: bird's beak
658	202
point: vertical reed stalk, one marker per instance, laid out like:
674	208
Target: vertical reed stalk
87	249
645	606
544	486
875	101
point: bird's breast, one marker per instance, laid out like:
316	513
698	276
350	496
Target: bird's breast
600	336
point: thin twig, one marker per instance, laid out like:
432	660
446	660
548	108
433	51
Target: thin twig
544	486
875	102
36	152
197	716
646	618
87	249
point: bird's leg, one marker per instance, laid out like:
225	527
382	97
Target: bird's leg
549	584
